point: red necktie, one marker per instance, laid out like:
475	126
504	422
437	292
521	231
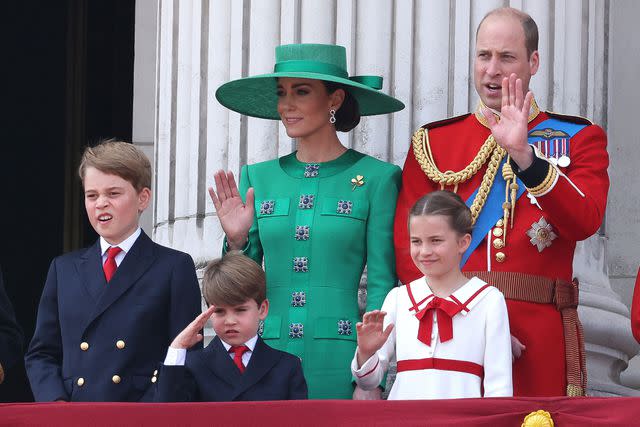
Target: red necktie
110	265
238	351
445	310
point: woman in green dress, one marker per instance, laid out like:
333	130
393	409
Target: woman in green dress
316	216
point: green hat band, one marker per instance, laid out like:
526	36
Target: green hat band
310	67
318	67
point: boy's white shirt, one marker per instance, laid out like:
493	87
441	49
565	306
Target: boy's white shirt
177	356
125	245
480	335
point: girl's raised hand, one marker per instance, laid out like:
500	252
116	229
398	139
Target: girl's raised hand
191	334
235	216
371	337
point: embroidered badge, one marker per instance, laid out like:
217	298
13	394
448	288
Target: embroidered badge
302	232
358	181
344	327
266	207
298	299
344	207
541	234
261	327
554	145
306	201
311	170
300	264
296	330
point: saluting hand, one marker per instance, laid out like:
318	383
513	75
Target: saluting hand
371	337
510	132
191	334
235	216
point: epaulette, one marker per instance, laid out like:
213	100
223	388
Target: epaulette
444	122
572	119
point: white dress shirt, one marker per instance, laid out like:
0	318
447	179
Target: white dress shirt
177	356
125	245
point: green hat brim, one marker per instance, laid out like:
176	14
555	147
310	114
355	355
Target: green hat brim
256	96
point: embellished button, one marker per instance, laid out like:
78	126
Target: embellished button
266	207
296	330
497	232
498	243
344	207
84	346
80	382
298	299
302	232
120	344
500	257
306	201
116	379
300	264
311	170
344	327
261	327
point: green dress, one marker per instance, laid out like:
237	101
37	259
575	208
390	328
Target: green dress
316	226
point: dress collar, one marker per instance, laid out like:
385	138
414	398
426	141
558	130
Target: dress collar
468	294
297	169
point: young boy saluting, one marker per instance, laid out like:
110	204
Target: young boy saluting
237	364
108	311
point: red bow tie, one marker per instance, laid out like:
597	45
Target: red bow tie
445	310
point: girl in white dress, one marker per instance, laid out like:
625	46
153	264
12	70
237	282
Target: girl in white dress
449	334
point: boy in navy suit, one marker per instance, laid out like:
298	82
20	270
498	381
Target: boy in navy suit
107	312
237	365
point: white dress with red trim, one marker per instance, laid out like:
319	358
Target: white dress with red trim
446	348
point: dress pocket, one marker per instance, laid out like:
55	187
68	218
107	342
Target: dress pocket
345	207
271	328
267	208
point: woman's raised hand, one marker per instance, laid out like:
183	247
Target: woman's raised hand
235	216
371	337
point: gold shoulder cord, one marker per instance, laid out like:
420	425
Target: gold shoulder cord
489	151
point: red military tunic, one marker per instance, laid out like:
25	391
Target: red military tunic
574	206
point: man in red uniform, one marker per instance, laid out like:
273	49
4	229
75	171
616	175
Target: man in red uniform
536	183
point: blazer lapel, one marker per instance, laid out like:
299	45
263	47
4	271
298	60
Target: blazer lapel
261	362
216	359
134	265
89	266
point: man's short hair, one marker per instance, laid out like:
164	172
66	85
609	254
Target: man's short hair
118	158
233	280
529	26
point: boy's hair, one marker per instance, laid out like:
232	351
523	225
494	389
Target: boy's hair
233	280
447	204
118	158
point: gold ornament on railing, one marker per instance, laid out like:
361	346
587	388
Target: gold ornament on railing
538	419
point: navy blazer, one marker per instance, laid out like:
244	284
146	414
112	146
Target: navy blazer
10	334
210	375
102	342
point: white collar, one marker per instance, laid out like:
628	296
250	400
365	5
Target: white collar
250	343
125	245
468	294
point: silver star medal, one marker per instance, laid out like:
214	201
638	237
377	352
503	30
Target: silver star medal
541	234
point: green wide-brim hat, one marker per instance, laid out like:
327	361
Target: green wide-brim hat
256	96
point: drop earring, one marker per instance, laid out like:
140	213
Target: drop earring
332	116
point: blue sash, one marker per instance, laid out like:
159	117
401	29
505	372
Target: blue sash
492	210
